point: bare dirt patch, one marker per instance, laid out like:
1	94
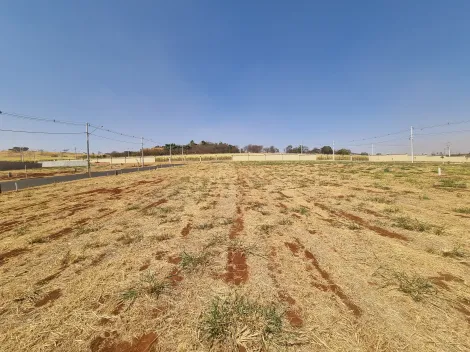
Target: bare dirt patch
237	268
48	298
186	229
11	254
110	343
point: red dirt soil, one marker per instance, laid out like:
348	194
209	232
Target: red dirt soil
294	248
49	278
175	276
154	204
237	269
331	286
186	229
292	315
174	259
380	231
60	233
114	191
8	225
443	278
141	344
49	297
11	254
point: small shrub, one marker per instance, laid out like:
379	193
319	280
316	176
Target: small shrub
225	318
451	183
462	210
133	207
266	229
300	210
411	224
391	210
285	221
413	285
163	237
192	261
205	226
152	285
130	295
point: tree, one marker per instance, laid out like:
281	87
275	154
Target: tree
343	151
316	151
364	153
19	149
254	148
326	150
270	149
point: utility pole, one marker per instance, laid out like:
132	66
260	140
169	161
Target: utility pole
88	150
301	147
448	147
372	148
75	153
333	150
411	140
142	142
170	153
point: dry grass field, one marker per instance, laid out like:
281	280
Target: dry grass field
240	257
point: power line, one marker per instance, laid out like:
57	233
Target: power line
438	133
36	118
40	132
444	124
43	119
385	135
112	139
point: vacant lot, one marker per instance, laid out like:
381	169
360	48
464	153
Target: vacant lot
240	257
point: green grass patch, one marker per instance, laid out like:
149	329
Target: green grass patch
226	319
462	210
408	223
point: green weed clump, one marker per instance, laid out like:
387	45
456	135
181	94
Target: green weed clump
462	210
451	183
228	321
414	285
408	223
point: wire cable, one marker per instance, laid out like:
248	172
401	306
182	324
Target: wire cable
444	124
35	118
437	133
40	132
112	139
377	137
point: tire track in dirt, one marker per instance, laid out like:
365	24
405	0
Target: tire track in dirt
330	285
11	254
292	313
236	270
360	221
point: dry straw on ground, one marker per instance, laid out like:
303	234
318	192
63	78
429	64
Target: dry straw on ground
240	257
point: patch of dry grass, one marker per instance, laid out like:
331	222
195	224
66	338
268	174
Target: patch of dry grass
275	257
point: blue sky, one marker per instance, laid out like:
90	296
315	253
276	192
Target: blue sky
267	72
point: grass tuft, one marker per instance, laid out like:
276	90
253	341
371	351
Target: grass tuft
462	210
408	223
228	321
417	287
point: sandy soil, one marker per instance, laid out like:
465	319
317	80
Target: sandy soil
240	257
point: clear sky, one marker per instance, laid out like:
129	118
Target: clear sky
265	72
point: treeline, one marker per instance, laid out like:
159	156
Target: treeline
205	147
